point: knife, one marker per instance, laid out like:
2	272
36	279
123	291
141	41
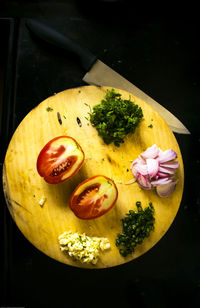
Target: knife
99	73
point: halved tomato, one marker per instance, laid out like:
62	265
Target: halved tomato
93	197
60	159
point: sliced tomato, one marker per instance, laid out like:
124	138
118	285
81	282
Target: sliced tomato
93	197
60	159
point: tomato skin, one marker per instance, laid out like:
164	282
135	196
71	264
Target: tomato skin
60	159
93	197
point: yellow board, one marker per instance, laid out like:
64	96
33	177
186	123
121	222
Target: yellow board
24	188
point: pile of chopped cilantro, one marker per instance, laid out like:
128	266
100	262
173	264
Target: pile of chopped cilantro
114	117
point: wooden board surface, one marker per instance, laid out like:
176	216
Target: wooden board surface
24	188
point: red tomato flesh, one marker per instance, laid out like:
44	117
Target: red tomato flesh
93	197
60	159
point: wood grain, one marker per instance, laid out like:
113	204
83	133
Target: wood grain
24	188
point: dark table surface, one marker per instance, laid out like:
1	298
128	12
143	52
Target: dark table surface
159	52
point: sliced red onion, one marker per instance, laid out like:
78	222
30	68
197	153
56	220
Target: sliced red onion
161	175
170	164
139	165
152	167
134	172
167	156
167	170
135	162
138	160
166	190
141	169
155	168
161	181
144	182
151	152
133	169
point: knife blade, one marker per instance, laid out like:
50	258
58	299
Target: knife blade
99	73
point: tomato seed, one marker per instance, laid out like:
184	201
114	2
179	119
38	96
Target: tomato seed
64	166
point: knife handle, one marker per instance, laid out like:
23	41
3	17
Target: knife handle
53	37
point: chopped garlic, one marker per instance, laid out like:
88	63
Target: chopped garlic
42	201
82	247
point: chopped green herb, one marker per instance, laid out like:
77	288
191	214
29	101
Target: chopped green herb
151	126
135	227
115	117
88	106
49	109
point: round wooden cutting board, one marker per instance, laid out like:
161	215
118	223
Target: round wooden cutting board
24	188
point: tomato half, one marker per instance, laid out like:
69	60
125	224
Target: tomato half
93	197
60	159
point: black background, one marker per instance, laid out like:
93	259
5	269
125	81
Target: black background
157	49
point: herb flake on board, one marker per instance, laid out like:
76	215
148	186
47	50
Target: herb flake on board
48	109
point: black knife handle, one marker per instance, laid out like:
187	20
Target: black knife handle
53	37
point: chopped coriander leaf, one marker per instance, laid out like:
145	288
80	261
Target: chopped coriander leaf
49	109
88	106
115	117
150	126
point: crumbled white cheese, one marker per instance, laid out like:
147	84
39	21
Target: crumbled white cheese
82	247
